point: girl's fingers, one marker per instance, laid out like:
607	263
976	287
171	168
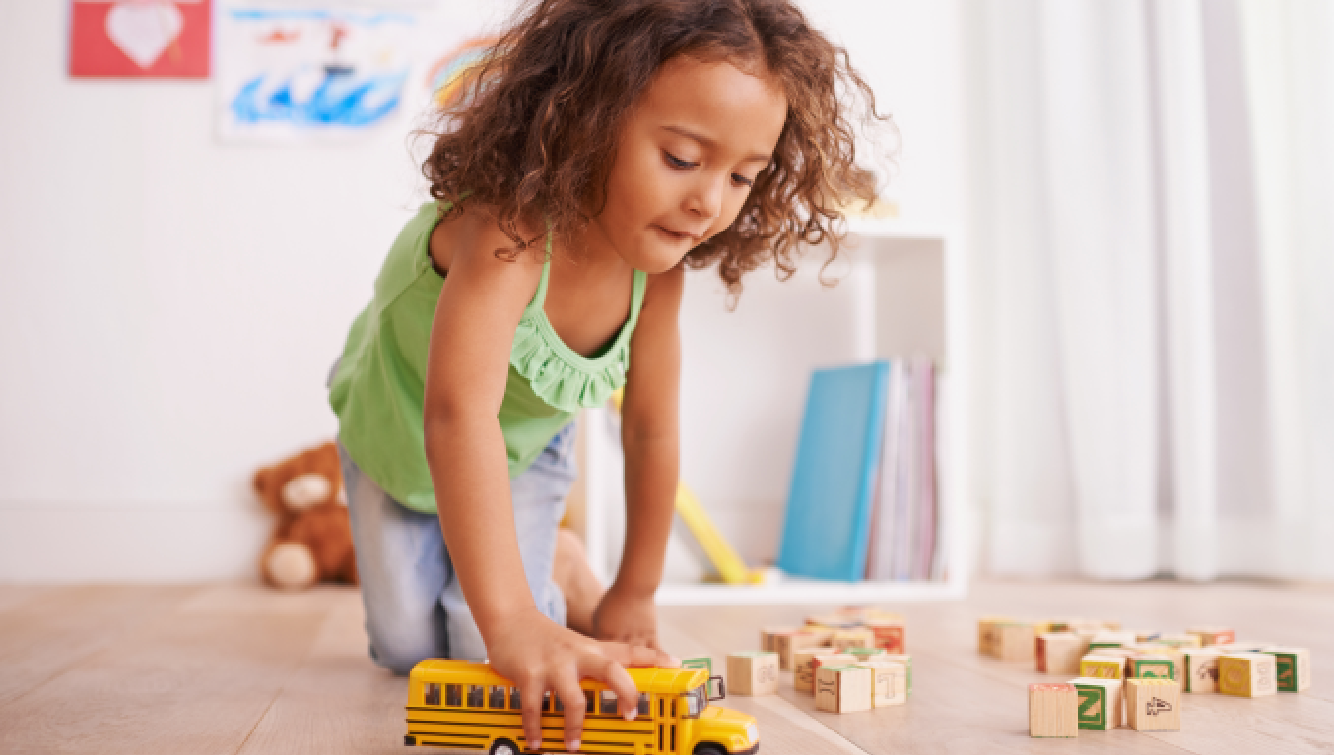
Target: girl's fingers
643	656
572	695
609	670
530	700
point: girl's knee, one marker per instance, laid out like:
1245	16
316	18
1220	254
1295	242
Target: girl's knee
399	659
399	643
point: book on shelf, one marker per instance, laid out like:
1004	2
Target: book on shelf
838	453
864	501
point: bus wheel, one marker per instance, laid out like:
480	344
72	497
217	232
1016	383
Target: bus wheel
504	747
710	750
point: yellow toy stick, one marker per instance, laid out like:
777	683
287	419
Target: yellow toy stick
724	557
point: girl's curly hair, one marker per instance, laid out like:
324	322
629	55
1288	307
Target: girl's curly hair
536	135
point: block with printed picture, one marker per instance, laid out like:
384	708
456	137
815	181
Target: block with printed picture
1153	704
1199	669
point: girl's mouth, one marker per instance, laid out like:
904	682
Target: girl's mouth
677	237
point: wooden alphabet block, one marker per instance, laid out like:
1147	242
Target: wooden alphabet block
880	614
753	673
846	639
1053	710
1102	666
1112	639
834	621
843	689
1199	669
866	654
1181	641
832	659
1153	705
1085	626
889	685
805	663
1150	666
1294	668
769	637
787	644
1247	674
1059	652
1214	635
1245	647
1099	702
1006	639
903	658
1016	642
889	634
803	672
1116	652
988	635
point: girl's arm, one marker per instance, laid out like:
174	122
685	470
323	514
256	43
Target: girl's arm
651	436
475	318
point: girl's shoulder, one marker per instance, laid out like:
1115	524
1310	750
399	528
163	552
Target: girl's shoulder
472	232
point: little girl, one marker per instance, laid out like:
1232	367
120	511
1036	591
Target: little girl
608	146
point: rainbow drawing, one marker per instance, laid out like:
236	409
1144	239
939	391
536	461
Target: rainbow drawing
453	73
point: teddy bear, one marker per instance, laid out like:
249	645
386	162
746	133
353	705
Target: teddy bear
313	540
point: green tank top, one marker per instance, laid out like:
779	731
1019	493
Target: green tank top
380	385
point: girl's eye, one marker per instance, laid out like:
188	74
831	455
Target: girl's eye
678	163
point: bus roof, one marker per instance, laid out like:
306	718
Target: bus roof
652	680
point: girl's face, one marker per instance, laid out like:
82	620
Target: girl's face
688	155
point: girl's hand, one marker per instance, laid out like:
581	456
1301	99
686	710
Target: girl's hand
538	655
622	617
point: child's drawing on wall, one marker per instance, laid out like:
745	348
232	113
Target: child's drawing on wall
291	74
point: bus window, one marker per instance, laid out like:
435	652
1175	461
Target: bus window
673	711
514	698
607	702
643	704
662	712
546	702
694	700
497	698
432	693
454	695
588	701
475	695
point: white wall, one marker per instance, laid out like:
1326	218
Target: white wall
169	306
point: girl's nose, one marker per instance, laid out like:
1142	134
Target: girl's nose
706	201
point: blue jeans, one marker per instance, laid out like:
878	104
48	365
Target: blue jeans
414	605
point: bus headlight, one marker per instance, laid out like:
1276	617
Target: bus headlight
753	732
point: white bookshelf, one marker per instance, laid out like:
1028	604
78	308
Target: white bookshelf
906	288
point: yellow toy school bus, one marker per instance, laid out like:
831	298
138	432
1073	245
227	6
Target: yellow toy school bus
466	705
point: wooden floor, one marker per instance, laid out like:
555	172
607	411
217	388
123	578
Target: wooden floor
241	669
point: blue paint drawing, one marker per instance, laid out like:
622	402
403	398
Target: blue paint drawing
284	74
341	99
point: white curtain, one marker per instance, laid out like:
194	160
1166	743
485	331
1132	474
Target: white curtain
1289	51
1147	261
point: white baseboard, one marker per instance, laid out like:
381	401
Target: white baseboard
102	543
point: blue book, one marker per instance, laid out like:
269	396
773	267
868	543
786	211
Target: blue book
825	530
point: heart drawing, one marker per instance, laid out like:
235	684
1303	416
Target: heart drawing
143	30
